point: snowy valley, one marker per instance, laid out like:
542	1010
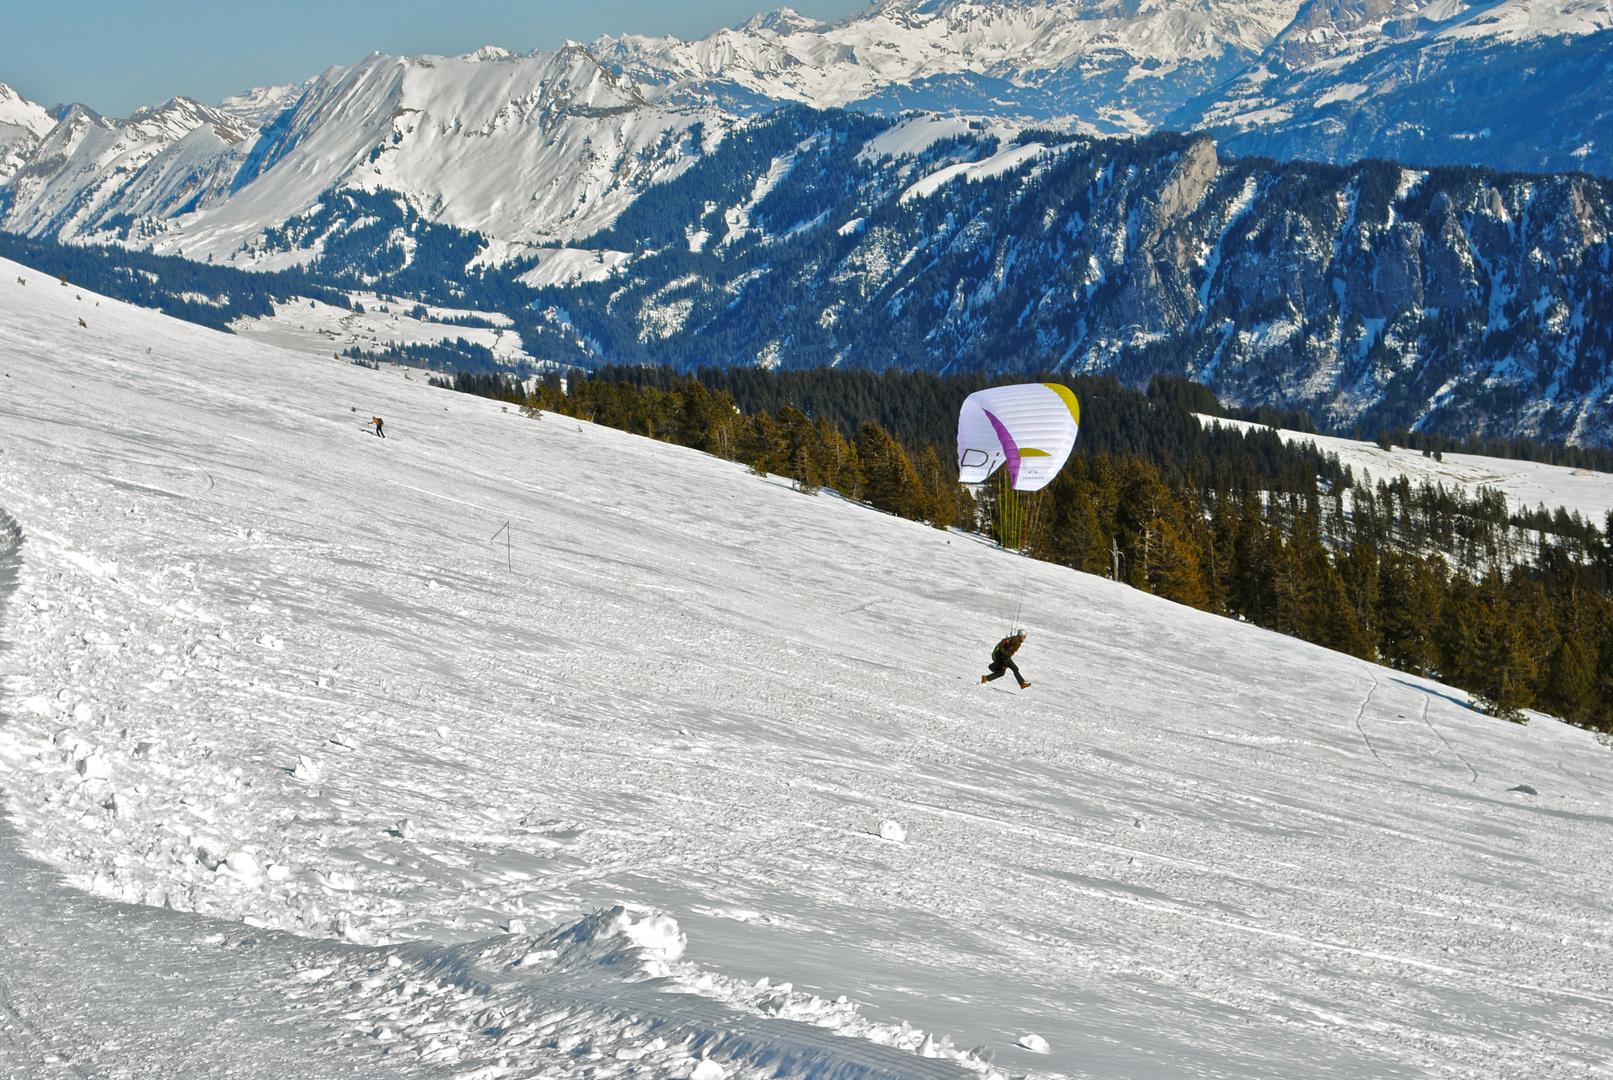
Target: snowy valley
358	735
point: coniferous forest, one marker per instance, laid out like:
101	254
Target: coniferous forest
1514	607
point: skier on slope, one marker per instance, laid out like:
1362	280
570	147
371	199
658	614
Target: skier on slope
376	422
1002	659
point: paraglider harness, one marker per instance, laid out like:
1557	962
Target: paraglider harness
1002	659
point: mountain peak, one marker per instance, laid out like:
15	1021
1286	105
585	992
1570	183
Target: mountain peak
488	54
18	111
781	21
262	103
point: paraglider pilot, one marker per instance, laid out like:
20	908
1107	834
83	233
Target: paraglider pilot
1002	659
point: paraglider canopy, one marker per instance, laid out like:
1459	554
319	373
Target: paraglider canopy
1028	428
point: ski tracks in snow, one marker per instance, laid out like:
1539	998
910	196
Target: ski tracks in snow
1447	742
136	991
1361	712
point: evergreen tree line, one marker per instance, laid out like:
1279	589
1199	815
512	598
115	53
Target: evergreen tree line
459	354
1419	577
496	386
166	282
868	464
1516	608
920	408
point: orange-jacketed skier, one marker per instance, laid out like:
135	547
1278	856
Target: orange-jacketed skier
375	421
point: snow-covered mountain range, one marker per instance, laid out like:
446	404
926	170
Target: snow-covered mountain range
23	126
1458	300
1324	80
549	147
1113	67
541	147
1513	85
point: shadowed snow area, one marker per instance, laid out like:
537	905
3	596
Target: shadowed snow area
694	776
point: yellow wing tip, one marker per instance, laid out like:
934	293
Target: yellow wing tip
1069	399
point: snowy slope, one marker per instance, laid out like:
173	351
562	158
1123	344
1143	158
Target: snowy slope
1526	484
1192	848
262	104
521	148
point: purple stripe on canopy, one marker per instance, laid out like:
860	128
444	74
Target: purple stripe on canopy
1010	448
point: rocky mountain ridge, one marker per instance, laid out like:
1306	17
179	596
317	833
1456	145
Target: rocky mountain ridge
524	150
1452	299
1510	84
549	147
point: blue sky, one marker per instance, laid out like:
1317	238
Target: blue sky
116	57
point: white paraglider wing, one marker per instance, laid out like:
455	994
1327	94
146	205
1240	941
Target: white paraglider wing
1029	429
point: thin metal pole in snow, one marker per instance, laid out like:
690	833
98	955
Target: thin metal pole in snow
509	551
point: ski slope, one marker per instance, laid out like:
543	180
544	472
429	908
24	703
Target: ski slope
309	763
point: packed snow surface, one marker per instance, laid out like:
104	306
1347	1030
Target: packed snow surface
525	747
1526	484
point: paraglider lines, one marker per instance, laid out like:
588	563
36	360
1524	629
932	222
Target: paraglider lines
1015	517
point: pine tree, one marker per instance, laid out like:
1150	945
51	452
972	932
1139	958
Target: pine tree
1074	536
1409	591
1570	690
762	445
890	482
1486	647
1257	552
940	500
